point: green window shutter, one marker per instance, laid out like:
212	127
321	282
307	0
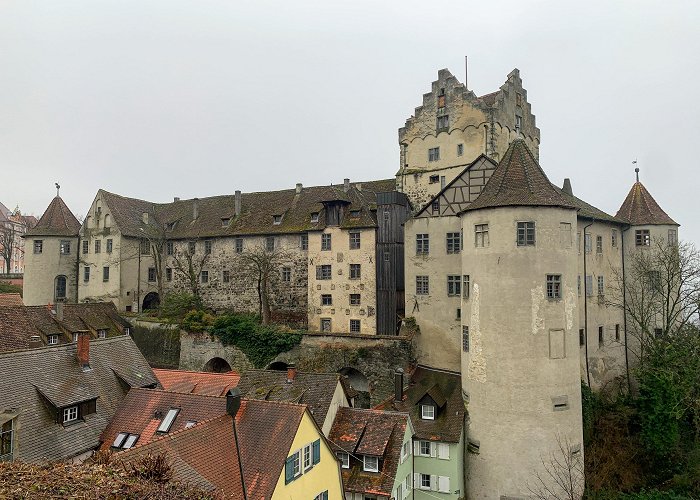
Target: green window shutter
324	495
316	451
289	470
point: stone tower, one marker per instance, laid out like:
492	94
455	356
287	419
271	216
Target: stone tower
454	126
520	359
51	257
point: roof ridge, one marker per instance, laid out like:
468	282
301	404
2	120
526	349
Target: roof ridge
173	434
375	410
59	347
183	393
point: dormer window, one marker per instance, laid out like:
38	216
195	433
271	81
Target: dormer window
101	334
314	217
427	412
277	220
75	337
225	222
344	459
167	422
370	464
355	214
70	414
52	339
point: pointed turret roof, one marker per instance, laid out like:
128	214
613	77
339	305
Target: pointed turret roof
57	220
519	181
640	208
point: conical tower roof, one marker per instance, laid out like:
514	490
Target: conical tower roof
519	181
57	220
640	208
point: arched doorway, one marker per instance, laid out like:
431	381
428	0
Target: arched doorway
278	365
217	365
150	301
358	382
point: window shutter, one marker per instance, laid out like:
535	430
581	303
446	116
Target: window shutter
416	480
324	495
289	470
433	482
443	484
433	449
316	451
443	451
416	448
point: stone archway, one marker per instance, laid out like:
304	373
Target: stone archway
151	301
278	365
217	365
360	383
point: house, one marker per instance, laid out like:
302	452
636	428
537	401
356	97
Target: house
22	326
272	450
324	393
13	225
433	401
55	401
207	383
374	448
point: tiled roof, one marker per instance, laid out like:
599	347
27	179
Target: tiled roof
57	220
11	299
210	384
369	432
257	211
586	210
640	208
205	455
448	422
313	389
519	181
56	373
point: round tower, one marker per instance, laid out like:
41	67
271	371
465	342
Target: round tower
520	359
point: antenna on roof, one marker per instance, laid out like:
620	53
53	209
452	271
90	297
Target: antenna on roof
58	188
636	170
466	73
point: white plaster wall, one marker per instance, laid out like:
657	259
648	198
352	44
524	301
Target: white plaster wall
41	270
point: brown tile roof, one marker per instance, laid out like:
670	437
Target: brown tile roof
205	455
369	432
55	372
313	389
640	208
586	210
519	181
16	327
11	299
448	423
57	220
206	383
257	211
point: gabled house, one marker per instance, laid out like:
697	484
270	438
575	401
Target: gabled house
374	448
271	450
324	393
56	401
433	400
207	383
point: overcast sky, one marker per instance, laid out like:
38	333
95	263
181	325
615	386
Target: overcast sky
155	99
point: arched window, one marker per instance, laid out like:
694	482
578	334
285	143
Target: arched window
60	288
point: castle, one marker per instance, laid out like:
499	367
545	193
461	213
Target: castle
505	273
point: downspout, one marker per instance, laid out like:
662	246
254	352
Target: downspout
585	301
138	282
624	308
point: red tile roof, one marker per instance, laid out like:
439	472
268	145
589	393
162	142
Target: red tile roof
57	220
210	384
11	299
640	208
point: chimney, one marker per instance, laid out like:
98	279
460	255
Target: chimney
237	202
291	373
567	187
59	311
299	186
398	385
195	208
35	341
233	401
177	198
358	186
144	217
84	350
346	185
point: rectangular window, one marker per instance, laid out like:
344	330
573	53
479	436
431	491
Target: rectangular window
435	207
105	273
170	248
101	334
613	238
672	237
109	245
307	457
454	285
642	238
370	464
98	246
52	339
204	276
323	272
526	234
86	246
38	246
427	412
225	221
600	336
453	242
326	299
304	241
354	299
518	122
465	286
443	122
354	240
192	247
422	244
424	481
465	338
270	243
167	422
287	274
325	324
578	285
355	271
433	179
70	414
314	217
460	149
226	276
151	274
422	285
617	332
207	247
565	234
598	244
325	241
145	247
276	220
658	333
169	274
354	326
601	286
424	449
554	286
589	285
433	154
481	235
86	274
587	242
238	245
65	247
344	459
581	337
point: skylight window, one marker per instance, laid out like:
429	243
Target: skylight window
119	440
190	423
277	220
130	441
124	440
167	422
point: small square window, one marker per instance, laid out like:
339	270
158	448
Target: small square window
225	222
642	238
370	464
323	272
314	217
425	481
425	448
658	333
70	414
427	412
65	247
277	220
354	299
354	326
325	241
433	179
325	324
101	334
326	299
52	339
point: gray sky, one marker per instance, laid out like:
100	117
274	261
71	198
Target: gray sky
155	99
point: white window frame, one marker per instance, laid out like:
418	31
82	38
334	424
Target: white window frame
421	478
307	457
344	459
427	412
167	422
422	443
101	334
70	414
296	463
52	339
368	468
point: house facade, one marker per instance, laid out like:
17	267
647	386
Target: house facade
13	226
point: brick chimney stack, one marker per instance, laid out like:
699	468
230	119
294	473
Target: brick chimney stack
291	373
233	401
398	385
84	350
346	185
195	208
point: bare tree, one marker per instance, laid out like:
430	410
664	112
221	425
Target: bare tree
562	474
154	235
262	264
8	243
187	265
